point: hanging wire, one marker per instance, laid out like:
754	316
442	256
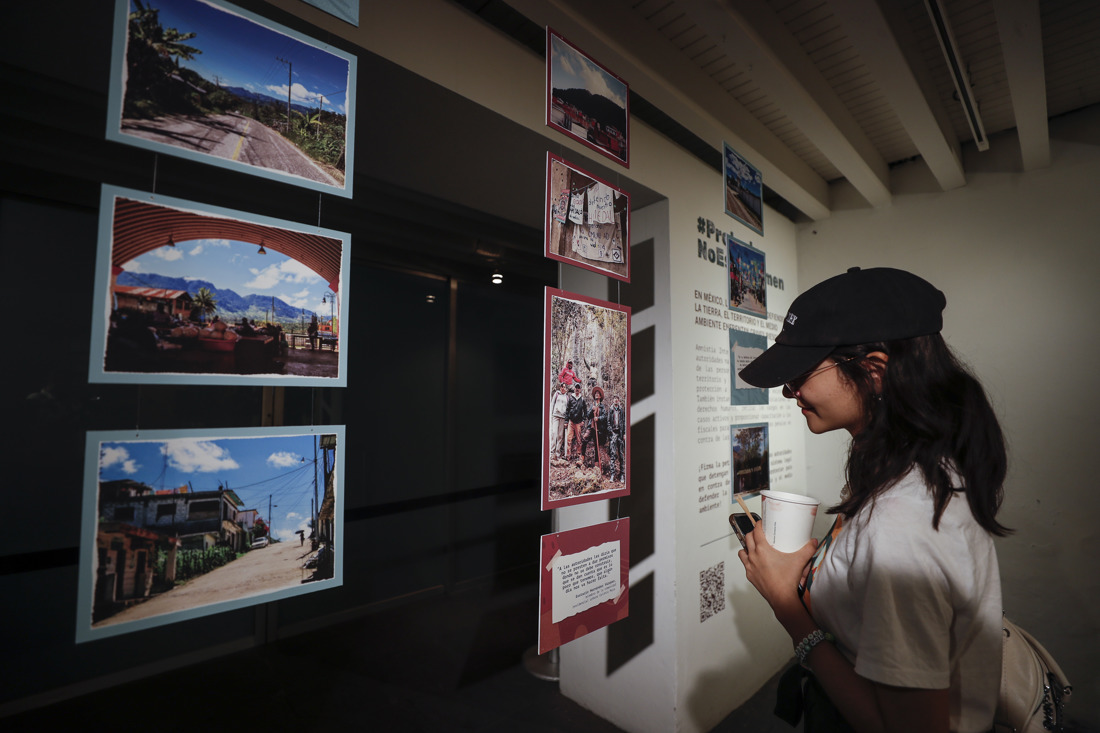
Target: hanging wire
137	413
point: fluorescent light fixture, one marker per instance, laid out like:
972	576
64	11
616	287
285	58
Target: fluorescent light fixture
942	29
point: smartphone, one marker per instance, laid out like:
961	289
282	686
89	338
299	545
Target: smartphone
742	525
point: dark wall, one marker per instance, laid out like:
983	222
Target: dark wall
442	407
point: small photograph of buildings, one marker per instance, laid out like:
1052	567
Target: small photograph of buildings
586	101
193	525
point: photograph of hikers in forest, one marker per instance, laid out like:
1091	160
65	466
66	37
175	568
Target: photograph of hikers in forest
206	80
193	294
586	400
587	220
586	101
185	523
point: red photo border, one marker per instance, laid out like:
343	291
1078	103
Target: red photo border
548	220
548	376
550	34
553	635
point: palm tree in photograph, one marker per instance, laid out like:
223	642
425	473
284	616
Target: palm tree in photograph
152	60
206	302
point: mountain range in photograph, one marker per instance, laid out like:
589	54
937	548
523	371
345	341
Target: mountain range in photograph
231	305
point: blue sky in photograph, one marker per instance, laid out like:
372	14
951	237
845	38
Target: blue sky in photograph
572	70
257	469
238	52
238	266
750	177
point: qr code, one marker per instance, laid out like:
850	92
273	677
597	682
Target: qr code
712	591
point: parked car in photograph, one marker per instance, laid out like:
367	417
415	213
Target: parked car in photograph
259	542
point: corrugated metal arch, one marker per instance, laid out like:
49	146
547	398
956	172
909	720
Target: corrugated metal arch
141	227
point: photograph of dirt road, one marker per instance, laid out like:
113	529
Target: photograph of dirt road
744	190
206	80
180	524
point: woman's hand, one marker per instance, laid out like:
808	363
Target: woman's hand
776	575
867	706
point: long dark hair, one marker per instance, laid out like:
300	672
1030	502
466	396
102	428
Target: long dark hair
932	414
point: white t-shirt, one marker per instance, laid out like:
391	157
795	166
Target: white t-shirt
911	606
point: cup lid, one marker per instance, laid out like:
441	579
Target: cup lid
784	496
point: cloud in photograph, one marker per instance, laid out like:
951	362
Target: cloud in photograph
287	271
202	244
168	254
283	459
577	69
197	456
301	299
298	93
117	456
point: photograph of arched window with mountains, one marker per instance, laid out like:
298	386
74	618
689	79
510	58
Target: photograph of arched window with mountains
194	294
205	80
586	101
586	400
186	523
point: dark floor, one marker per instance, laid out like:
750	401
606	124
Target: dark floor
447	663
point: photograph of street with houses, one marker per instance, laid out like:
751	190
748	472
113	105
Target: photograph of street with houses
181	524
187	293
206	80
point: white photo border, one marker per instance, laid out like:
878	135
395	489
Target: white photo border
117	92
101	304
89	521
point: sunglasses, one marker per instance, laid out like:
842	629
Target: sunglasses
793	388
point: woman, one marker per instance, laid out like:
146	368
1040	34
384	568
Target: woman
897	613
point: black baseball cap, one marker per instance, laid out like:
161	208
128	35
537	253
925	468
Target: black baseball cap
858	307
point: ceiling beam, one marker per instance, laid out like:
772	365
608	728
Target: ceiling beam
867	29
659	72
754	37
1022	46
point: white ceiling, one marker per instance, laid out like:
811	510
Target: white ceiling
823	90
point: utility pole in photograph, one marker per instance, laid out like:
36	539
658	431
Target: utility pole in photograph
289	88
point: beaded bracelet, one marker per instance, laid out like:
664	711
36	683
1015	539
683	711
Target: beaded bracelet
815	637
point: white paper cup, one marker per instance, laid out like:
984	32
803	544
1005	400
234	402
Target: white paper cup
788	519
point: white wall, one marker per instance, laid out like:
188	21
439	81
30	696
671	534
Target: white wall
1013	253
1018	256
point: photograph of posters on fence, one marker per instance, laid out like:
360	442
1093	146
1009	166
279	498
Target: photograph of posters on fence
587	220
192	294
584	581
748	278
206	80
744	189
744	347
182	524
586	400
586	101
750	454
